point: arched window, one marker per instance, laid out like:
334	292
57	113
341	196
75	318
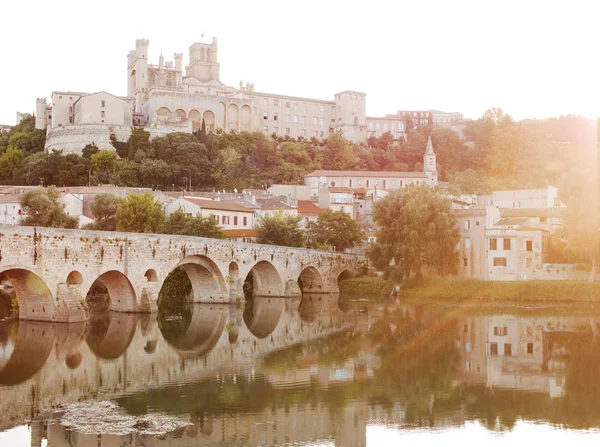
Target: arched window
349	183
208	55
202	54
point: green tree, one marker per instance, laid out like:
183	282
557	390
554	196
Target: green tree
156	173
280	229
104	163
10	162
89	150
25	137
336	229
104	208
43	208
469	182
139	213
126	173
182	224
416	229
339	153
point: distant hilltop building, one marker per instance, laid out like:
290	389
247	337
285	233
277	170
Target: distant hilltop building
163	99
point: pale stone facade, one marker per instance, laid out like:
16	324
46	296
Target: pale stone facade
163	98
228	215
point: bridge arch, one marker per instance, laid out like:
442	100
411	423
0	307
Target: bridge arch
310	280
344	275
120	291
208	283
265	280
32	294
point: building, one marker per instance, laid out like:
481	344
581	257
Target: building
523	198
338	198
309	212
10	209
400	123
5	128
164	98
230	216
272	206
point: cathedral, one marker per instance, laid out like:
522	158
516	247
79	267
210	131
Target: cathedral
164	98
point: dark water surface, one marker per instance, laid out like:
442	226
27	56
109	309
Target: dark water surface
312	371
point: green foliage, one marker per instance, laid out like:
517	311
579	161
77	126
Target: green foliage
139	213
339	153
366	286
104	208
10	162
280	229
336	229
175	296
24	137
184	225
89	150
104	163
469	182
417	229
43	208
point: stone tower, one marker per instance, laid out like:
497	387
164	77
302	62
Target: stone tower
204	62
137	73
430	165
40	113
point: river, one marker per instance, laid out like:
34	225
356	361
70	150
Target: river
317	370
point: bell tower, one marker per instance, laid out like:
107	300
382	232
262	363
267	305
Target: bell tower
430	164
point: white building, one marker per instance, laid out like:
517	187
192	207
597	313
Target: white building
10	209
230	216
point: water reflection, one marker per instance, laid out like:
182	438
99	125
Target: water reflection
282	371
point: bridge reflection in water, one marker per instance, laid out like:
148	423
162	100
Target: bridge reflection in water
283	371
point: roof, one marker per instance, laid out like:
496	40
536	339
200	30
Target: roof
340	189
525	228
307	207
533	212
273	204
9	198
217	205
249	232
394	174
514	221
359	190
471	212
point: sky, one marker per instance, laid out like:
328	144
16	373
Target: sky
533	59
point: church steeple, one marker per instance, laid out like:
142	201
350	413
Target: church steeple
429	164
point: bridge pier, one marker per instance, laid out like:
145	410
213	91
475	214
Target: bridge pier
70	304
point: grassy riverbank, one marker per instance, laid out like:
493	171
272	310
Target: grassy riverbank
475	291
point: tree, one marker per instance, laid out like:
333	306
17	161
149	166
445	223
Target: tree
139	214
155	173
416	229
43	208
89	150
469	182
182	224
103	164
104	208
280	229
336	229
10	162
339	153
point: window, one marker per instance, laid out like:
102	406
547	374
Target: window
287	117
315	107
225	220
384	184
321	121
303	132
467	224
500	331
476	223
529	245
295	118
303	119
315	120
529	348
235	220
493	348
543	219
493	244
355	109
254	110
499	262
276	129
315	133
322	134
367	183
265	115
287	104
71	109
467	243
349	183
276	102
245	220
506	244
466	262
265	129
295	106
530	331
71	120
287	131
275	116
377	126
322	107
507	349
102	103
102	114
266	101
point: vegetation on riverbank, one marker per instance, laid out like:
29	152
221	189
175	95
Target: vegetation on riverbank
366	285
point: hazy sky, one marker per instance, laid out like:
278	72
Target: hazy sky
531	58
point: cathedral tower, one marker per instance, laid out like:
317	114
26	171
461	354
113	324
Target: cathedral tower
430	164
204	61
137	73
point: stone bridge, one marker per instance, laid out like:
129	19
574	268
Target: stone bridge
52	270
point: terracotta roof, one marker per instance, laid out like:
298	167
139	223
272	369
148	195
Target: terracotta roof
249	232
307	207
471	212
340	189
359	190
533	212
524	228
217	205
394	174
